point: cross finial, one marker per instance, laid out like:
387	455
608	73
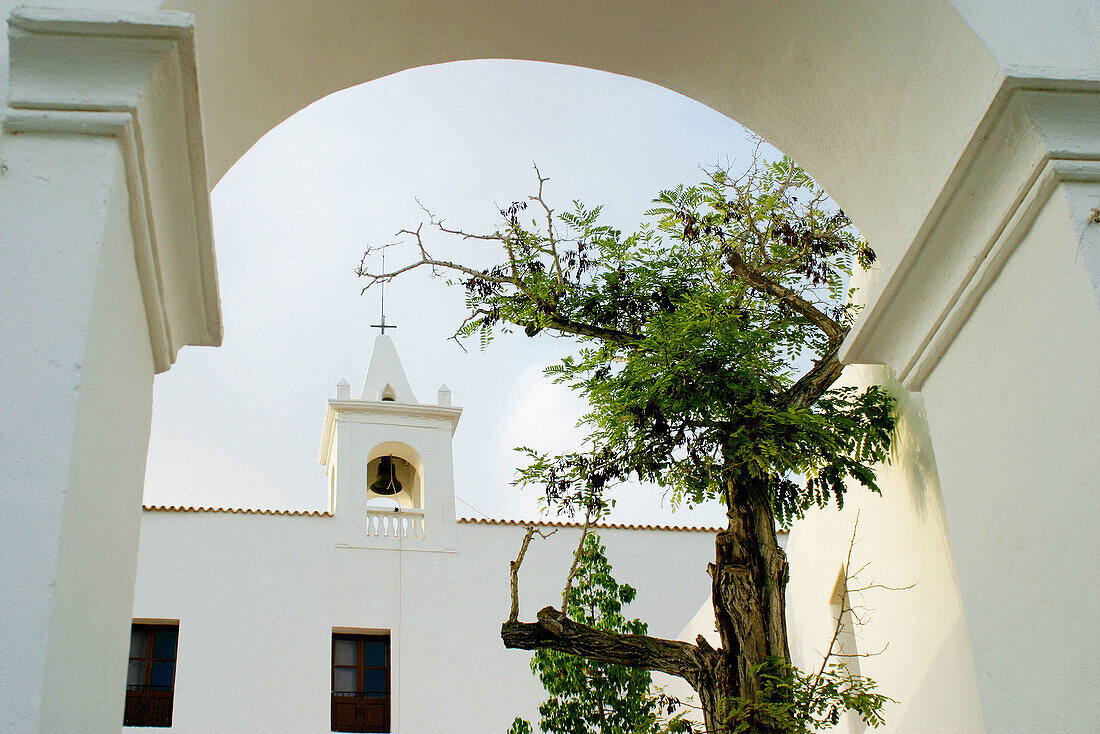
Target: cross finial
382	298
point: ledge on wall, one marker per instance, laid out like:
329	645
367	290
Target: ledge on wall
1035	134
131	76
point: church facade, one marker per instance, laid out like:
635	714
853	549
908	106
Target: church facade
380	614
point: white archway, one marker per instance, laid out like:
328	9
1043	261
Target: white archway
874	99
961	142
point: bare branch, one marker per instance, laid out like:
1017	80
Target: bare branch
876	653
495	237
839	626
427	260
513	567
576	558
549	227
870	586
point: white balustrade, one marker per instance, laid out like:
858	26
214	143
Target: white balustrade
395	523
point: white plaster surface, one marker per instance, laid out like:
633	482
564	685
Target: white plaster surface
1039	39
385	375
1013	409
257	598
77	379
916	638
89	258
794	72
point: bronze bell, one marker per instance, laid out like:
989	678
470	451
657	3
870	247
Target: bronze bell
387	482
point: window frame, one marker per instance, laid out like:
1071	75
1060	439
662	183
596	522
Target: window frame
370	713
148	705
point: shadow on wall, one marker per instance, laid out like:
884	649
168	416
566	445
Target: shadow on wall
940	678
911	452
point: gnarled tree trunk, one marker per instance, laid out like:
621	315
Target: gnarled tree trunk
748	590
748	587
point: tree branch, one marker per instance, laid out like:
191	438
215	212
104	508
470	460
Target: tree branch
838	627
513	568
426	259
740	268
549	228
555	631
568	326
576	560
814	383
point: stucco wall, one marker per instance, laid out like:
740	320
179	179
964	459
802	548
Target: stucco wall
77	379
257	598
1013	409
987	508
916	637
876	100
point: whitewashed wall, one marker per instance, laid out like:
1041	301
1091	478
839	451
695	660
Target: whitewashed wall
916	638
257	598
101	220
988	510
62	471
1014	408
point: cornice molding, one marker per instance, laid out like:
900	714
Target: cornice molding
131	76
367	409
1035	134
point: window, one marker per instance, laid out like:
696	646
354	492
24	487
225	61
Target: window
361	682
151	676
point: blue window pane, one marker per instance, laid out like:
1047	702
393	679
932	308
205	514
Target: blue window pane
164	644
374	682
374	653
163	674
139	642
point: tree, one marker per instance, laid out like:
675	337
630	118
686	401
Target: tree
689	332
591	696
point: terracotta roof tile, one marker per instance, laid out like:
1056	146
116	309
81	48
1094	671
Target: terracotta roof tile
466	520
236	510
598	526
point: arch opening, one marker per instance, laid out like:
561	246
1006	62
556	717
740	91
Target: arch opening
394	477
719	73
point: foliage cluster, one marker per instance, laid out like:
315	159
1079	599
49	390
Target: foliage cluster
591	697
707	348
793	702
692	330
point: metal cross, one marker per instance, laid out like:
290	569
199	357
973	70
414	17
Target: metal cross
382	297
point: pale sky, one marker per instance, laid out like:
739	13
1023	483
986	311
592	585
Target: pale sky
240	425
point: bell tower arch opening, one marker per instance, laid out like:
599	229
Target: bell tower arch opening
395	473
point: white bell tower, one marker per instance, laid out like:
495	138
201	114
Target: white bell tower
389	460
